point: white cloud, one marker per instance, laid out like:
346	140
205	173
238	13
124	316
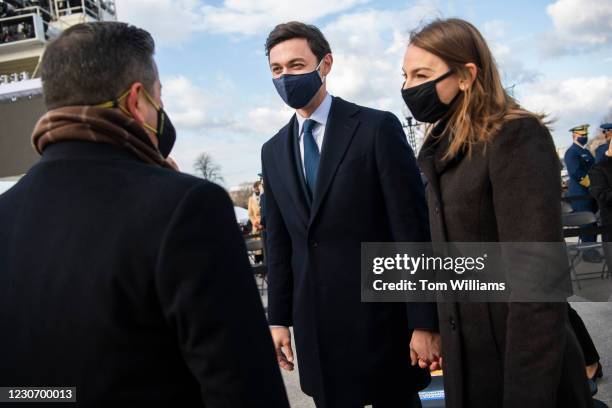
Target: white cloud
512	69
571	97
210	120
170	22
173	22
570	102
193	107
368	48
266	119
495	28
580	25
250	17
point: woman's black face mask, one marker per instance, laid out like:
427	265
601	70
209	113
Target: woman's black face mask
424	102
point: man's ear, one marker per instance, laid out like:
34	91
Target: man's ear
134	102
328	61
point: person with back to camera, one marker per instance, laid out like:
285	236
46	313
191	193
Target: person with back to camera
119	275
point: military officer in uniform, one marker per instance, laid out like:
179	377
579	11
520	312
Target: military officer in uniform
579	160
600	152
601	189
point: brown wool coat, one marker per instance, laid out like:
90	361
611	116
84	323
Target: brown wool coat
498	354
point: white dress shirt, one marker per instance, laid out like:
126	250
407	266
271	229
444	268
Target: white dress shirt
320	116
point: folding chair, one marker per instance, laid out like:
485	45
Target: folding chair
574	222
255	250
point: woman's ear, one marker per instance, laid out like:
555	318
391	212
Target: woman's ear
465	83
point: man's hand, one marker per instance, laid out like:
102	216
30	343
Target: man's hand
281	337
425	349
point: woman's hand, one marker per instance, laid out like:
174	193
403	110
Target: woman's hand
425	349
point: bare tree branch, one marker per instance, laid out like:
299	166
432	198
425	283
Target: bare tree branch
206	167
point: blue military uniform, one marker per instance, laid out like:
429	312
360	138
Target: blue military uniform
579	160
600	152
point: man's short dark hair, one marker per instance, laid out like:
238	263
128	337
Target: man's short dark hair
93	63
294	29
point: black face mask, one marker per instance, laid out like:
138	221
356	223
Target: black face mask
424	102
166	134
297	90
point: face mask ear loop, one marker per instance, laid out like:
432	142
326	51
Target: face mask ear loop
435	81
150	99
323	78
444	76
157	108
115	104
149	127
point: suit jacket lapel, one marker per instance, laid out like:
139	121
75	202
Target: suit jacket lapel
339	131
291	170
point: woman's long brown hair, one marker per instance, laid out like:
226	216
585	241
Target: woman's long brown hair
482	109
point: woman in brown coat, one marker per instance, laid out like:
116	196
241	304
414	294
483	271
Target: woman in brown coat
493	176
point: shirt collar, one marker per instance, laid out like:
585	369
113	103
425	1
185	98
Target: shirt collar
319	115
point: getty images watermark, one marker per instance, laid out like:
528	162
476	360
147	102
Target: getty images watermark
430	264
465	272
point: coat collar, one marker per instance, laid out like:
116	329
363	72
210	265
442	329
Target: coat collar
431	157
80	149
434	151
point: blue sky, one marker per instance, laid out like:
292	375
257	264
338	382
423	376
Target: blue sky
218	88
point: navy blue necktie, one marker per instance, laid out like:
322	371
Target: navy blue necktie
311	155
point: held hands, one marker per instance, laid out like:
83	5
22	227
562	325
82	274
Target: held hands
281	337
425	350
